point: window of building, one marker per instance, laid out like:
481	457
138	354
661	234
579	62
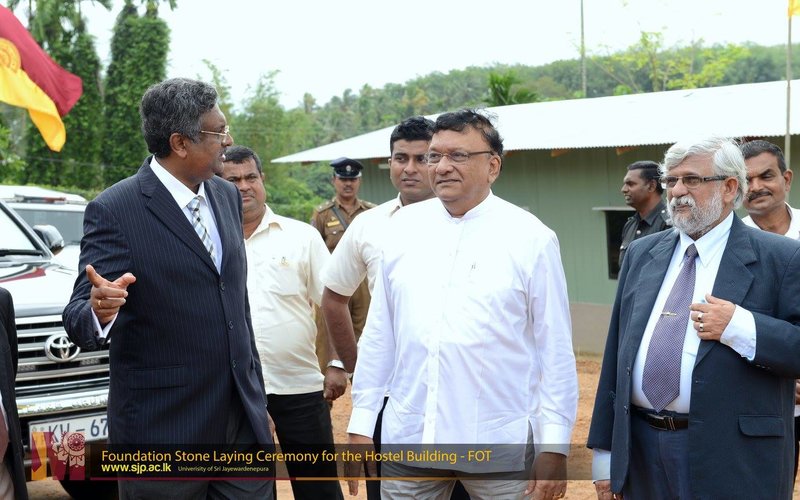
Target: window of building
615	221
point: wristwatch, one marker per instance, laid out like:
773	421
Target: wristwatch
337	363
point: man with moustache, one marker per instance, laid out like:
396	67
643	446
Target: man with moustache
285	259
469	331
769	181
696	391
165	284
642	191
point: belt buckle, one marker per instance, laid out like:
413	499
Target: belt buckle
667	421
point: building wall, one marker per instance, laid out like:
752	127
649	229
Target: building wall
563	191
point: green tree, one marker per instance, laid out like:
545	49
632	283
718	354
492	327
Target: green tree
11	165
138	60
504	89
649	67
223	88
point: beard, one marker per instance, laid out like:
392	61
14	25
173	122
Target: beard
699	220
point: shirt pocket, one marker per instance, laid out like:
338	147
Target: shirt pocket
284	276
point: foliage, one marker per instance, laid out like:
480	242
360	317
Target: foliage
221	84
503	93
138	60
648	67
11	166
271	131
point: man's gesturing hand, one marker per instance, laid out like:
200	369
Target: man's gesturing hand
107	296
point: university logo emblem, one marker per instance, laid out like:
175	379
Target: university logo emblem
66	458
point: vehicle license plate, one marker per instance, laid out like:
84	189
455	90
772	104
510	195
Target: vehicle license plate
93	427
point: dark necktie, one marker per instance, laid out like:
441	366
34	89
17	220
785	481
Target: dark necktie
661	379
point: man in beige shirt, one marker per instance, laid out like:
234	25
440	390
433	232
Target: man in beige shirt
285	258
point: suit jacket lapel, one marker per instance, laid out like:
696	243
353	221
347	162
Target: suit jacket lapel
734	278
163	206
647	287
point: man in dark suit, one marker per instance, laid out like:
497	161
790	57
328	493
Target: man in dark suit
12	472
696	393
165	284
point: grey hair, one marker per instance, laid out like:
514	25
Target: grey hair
174	106
726	158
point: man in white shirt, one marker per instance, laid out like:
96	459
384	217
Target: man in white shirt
359	251
769	181
696	391
469	330
357	255
285	258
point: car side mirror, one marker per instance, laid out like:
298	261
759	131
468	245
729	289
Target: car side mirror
50	236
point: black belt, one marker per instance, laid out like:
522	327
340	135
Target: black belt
674	422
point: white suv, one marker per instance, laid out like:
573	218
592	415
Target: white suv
64	211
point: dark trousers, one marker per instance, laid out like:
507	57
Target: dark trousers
238	431
659	463
374	487
303	424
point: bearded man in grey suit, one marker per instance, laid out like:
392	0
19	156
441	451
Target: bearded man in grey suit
696	392
165	284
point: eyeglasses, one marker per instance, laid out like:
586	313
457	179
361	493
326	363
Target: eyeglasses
222	135
690	181
458	157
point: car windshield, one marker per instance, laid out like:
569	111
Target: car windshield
69	224
14	238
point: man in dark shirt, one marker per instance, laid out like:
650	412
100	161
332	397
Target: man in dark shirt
642	191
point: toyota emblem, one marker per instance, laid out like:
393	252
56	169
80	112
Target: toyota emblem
60	349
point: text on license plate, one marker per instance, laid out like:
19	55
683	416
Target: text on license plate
93	427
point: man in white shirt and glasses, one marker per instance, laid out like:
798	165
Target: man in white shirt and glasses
469	330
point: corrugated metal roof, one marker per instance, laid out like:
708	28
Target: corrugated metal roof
756	109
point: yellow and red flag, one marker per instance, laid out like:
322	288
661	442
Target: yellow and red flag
794	7
30	79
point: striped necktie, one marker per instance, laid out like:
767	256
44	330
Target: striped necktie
199	227
661	380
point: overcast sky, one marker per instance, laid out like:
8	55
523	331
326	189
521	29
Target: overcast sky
324	47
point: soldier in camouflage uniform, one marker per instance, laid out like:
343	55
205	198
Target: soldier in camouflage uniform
331	219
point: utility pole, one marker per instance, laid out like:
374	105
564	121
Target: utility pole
583	56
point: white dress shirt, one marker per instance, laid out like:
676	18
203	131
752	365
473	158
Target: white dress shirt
469	330
183	196
794	222
739	335
285	258
359	251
